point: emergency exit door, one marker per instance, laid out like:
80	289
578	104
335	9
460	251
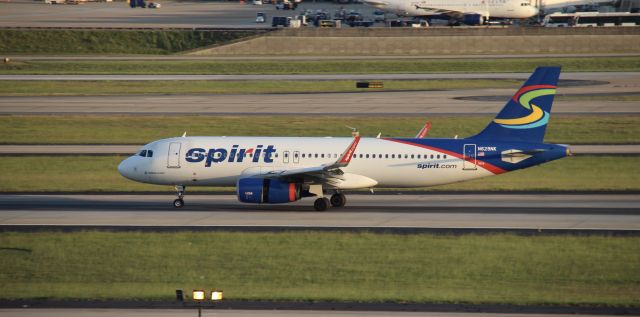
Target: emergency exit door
173	159
469	157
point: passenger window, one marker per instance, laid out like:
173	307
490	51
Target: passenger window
302	155
316	155
393	156
445	156
438	156
143	153
412	156
149	153
432	156
367	155
406	156
386	156
322	155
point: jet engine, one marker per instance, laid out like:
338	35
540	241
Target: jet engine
267	191
474	19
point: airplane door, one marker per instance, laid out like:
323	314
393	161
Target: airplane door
285	157
296	157
469	157
173	159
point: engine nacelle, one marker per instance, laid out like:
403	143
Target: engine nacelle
473	19
267	191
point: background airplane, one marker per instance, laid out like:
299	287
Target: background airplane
470	12
269	170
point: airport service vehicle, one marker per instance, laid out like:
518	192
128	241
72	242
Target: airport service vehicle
261	17
591	19
273	170
471	12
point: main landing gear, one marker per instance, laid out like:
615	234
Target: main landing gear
337	200
178	203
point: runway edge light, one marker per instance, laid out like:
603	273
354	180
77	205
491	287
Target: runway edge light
216	295
198	295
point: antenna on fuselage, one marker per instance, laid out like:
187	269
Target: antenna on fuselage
184	135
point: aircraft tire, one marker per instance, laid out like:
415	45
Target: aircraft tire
338	200
178	203
321	204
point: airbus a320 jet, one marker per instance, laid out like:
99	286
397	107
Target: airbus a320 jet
275	170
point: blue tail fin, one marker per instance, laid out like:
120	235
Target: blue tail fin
524	118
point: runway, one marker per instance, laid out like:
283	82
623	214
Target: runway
371	104
24	150
464	101
514	211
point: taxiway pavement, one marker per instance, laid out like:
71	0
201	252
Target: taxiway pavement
513	211
465	101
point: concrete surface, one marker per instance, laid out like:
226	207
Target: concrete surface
368	103
424	103
517	211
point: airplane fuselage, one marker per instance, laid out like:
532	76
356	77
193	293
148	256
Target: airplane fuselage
377	162
510	9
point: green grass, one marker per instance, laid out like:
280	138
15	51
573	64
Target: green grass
69	88
58	42
569	64
364	267
99	174
114	129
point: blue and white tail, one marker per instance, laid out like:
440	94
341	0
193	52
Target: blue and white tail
524	118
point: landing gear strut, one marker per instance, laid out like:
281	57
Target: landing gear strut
338	200
178	203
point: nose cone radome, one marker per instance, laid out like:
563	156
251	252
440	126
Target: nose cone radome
126	169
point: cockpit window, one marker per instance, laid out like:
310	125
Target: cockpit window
143	153
149	153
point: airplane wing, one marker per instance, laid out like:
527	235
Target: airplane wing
432	10
322	173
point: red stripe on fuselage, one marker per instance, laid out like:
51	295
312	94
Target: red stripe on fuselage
489	167
530	88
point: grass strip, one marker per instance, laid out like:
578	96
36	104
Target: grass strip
57	42
115	129
80	88
99	174
316	266
569	64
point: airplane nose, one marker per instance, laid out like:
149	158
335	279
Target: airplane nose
125	169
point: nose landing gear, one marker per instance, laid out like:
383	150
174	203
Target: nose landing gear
179	203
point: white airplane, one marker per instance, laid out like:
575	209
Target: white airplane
268	170
557	5
470	12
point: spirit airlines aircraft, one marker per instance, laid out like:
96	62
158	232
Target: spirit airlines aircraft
271	170
470	12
